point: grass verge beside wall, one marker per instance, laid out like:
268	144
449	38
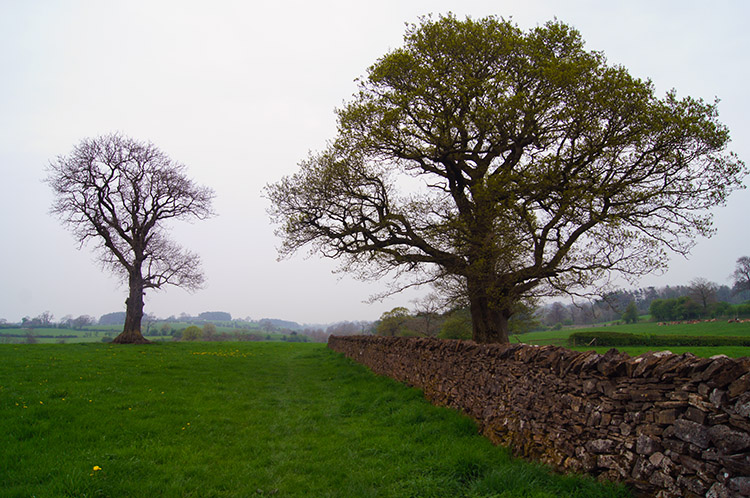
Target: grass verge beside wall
676	425
620	339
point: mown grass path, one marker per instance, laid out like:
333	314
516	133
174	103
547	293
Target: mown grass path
243	419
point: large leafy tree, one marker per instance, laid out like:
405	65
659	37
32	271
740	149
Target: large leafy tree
120	194
514	163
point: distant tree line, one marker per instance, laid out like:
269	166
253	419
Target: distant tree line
46	321
701	299
452	324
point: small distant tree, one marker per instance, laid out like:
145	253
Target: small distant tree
677	308
166	329
119	194
427	316
149	318
216	316
115	318
45	319
392	322
192	333
721	308
741	275
209	331
660	310
631	313
557	313
267	325
457	325
688	308
82	321
703	293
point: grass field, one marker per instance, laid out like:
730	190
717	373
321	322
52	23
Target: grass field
719	328
239	419
96	333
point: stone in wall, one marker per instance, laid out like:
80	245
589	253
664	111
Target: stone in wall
668	425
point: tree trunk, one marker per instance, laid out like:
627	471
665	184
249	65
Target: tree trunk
489	321
131	333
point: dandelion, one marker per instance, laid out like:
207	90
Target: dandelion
97	468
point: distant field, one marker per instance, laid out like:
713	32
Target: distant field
86	335
706	352
718	328
95	333
240	419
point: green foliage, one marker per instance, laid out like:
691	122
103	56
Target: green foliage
680	308
457	325
631	313
192	333
215	316
237	420
165	329
392	322
518	135
602	338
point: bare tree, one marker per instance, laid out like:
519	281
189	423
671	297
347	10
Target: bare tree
741	274
427	311
703	292
118	193
45	319
82	321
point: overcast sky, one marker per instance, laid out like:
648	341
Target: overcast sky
240	91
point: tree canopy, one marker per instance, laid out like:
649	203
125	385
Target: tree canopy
120	193
516	164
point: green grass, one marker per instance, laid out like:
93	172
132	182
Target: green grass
703	351
718	328
95	333
240	419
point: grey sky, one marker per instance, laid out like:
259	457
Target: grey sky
240	91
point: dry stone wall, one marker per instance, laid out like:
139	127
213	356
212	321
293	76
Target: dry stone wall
668	425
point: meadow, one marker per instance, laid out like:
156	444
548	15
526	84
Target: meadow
240	419
101	333
706	329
